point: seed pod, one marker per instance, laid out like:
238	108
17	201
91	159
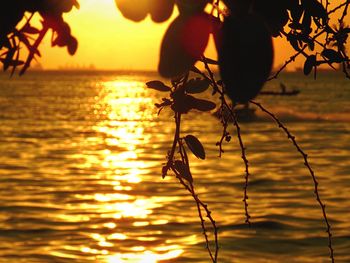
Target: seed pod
183	44
245	56
133	10
161	10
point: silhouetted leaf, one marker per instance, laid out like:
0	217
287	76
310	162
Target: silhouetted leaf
183	103
24	39
12	63
296	11
72	45
332	55
203	105
76	4
310	62
195	146
311	44
306	23
62	40
173	61
293	40
345	30
295	25
165	169
183	170
157	85
197	85
8	60
315	8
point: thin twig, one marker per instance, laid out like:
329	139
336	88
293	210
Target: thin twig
246	164
286	63
34	48
224	121
338	7
345	11
175	141
314	38
312	173
241	144
200	204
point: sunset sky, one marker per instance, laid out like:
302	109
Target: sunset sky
109	41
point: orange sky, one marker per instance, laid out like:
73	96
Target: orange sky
109	41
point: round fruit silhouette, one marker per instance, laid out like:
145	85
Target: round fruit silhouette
133	10
183	43
161	10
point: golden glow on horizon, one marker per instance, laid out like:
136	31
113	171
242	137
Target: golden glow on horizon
109	41
106	39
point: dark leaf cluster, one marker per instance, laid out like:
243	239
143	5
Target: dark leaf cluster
243	33
12	38
180	99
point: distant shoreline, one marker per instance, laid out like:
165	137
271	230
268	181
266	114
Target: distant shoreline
139	71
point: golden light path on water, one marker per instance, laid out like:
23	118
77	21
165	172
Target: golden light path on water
125	113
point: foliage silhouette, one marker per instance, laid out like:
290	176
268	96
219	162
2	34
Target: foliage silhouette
12	38
243	32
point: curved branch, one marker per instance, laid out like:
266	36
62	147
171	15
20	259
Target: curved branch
312	173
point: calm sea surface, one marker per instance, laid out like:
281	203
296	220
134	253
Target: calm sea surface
80	174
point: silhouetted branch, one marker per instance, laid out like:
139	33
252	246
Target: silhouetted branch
233	116
286	63
170	156
338	7
225	134
200	204
181	168
345	11
306	163
246	164
34	48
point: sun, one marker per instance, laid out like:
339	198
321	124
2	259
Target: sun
107	40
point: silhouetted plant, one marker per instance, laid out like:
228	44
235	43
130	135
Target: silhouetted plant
13	38
243	31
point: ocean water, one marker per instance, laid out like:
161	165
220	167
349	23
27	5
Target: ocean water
80	174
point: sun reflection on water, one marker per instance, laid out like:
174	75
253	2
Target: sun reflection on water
144	257
124	111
